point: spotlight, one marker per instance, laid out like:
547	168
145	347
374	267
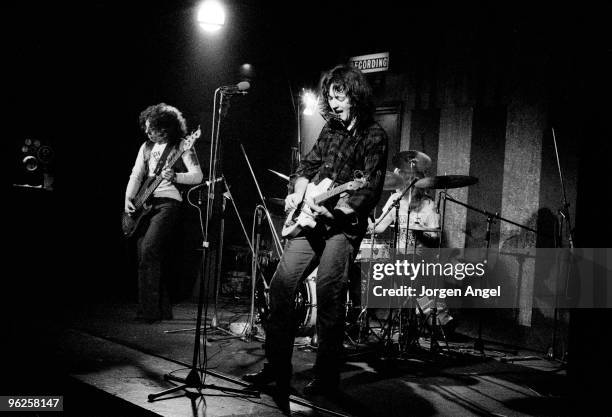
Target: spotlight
310	102
211	16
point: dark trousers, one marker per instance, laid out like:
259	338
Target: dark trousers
153	245
333	255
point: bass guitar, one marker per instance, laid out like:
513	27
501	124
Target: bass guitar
301	217
130	222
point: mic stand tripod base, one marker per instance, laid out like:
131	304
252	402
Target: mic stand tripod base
193	380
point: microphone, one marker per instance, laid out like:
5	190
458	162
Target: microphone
240	88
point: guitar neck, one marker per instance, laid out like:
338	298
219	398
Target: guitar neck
331	193
147	190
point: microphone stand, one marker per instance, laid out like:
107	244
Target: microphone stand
564	218
479	344
196	376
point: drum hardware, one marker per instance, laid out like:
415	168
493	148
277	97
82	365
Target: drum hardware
276	238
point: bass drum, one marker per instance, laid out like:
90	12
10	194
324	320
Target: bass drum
305	304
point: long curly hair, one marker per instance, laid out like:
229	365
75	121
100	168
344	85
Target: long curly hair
350	81
162	116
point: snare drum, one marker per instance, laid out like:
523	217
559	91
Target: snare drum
369	251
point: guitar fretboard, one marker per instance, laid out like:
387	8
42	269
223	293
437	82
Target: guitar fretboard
334	191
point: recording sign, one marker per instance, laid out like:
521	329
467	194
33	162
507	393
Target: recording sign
372	62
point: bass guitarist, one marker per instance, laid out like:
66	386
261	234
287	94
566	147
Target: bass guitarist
350	141
164	126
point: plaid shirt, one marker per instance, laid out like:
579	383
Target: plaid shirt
338	149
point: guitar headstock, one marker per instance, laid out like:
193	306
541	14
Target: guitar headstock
189	140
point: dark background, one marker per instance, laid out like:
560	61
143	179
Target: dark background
80	73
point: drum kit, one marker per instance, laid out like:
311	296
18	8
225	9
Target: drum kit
408	174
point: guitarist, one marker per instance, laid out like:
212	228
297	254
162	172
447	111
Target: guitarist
350	140
164	126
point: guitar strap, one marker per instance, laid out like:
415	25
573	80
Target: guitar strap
162	159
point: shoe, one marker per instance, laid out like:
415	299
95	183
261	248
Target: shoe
263	377
280	396
319	386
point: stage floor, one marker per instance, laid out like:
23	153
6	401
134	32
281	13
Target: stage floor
103	346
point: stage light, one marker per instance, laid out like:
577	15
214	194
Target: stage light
310	102
211	16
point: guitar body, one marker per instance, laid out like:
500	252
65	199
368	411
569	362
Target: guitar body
301	217
130	222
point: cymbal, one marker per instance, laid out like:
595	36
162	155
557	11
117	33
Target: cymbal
283	176
393	181
412	160
446	181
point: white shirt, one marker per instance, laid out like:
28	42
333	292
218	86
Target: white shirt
166	188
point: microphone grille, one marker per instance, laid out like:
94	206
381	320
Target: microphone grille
243	85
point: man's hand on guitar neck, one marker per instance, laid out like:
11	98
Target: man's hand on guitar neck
169	175
129	205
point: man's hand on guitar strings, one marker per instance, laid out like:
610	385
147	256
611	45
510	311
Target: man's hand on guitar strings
292	201
319	211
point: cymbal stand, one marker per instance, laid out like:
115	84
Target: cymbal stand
275	237
363	319
249	331
387	333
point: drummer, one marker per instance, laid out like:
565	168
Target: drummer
423	215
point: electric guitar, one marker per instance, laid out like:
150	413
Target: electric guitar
130	222
301	217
